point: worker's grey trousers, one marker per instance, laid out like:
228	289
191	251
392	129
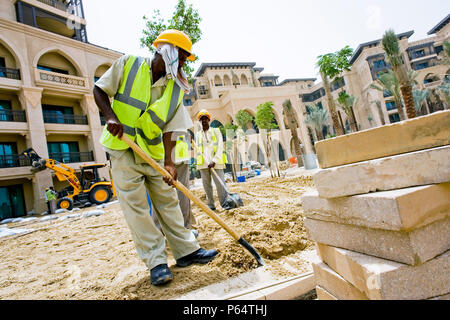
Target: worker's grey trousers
132	181
207	185
185	202
51	206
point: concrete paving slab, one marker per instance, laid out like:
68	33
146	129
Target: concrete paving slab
412	248
323	294
418	168
401	210
382	279
332	282
420	133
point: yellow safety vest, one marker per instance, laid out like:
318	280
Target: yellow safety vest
200	159
182	149
141	121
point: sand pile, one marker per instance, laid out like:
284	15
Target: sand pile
94	257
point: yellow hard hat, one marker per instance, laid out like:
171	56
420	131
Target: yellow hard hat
177	38
46	189
202	113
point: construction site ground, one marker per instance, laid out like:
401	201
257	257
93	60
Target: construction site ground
89	254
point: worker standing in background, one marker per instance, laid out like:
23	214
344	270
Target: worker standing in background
211	154
147	95
50	197
182	158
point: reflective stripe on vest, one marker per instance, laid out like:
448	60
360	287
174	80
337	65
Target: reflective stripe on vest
149	127
200	159
130	100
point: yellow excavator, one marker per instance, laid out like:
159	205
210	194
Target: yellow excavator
86	190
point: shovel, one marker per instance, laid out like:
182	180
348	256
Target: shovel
233	200
194	198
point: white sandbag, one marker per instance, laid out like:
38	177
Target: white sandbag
93	213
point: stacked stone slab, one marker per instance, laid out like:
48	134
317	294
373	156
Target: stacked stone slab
381	214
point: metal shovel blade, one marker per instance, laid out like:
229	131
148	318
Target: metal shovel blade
233	200
252	250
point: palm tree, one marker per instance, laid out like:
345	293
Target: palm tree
388	83
292	124
380	111
316	119
347	102
331	66
394	55
444	88
264	119
420	96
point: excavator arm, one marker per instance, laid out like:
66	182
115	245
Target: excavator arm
62	171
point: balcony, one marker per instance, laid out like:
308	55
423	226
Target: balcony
10	73
73	6
60	81
72	157
13	115
65	18
13	161
65	118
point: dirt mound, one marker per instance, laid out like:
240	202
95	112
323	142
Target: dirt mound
95	258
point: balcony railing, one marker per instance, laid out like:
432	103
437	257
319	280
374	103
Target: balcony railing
64	118
44	76
72	157
10	73
14	161
13	115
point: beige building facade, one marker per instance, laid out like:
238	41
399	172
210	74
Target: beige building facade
47	73
48	70
225	88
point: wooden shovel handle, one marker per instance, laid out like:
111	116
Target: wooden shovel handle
155	165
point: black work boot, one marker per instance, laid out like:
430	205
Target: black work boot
200	256
160	275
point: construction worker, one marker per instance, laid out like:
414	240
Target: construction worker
211	154
50	198
182	158
147	95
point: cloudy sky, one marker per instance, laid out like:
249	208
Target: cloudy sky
282	36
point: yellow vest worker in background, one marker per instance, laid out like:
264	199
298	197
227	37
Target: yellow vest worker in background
147	95
182	159
210	154
51	197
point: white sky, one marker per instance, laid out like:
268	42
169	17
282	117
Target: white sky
282	36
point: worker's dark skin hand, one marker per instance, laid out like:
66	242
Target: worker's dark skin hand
212	164
170	167
112	123
115	127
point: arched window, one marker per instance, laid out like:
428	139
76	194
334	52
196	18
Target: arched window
244	80
226	80
56	62
217	81
100	71
235	80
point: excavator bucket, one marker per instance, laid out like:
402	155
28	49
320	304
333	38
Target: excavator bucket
37	162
